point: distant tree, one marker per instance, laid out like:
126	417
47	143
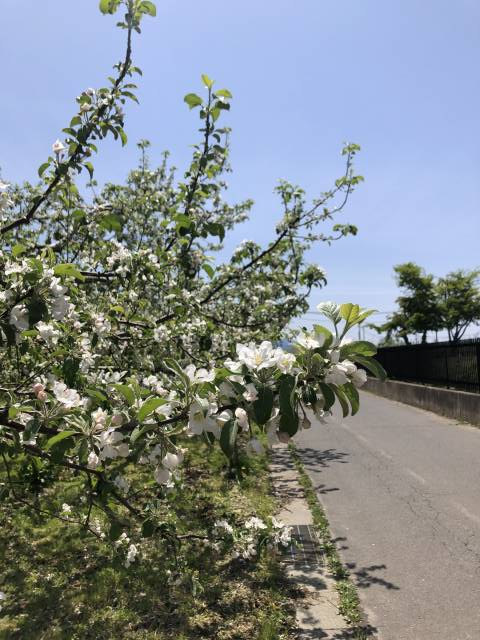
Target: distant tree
419	309
458	296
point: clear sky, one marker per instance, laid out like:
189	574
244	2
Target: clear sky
398	77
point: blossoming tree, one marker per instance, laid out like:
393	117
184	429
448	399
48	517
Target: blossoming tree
122	337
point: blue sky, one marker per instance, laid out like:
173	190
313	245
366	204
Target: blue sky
400	78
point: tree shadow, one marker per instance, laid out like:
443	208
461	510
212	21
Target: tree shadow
365	577
313	457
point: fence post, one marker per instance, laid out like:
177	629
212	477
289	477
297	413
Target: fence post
446	366
477	348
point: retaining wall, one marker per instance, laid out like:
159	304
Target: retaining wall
459	405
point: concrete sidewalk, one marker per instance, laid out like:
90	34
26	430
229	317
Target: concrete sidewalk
318	616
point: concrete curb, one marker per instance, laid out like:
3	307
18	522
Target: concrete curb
318	616
451	403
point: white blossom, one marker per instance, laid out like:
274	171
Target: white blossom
93	460
257	357
359	377
172	460
111	444
311	340
48	333
242	418
162	476
19	317
68	397
255	523
121	483
197	376
58	147
131	555
251	393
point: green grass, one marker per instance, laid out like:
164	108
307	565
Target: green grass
62	584
349	603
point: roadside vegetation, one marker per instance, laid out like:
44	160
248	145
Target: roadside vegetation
64	584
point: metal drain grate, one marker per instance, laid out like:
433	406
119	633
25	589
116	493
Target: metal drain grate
305	551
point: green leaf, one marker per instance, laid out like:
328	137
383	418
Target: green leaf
228	438
263	405
193	100
123	136
89	167
148	528
223	93
115	530
323	331
216	229
70	369
207	81
18	249
98	395
342	398
10	334
66	269
352	395
349	312
32	428
37	310
42	168
126	392
360	347
328	395
111	222
209	270
288	414
148	7
373	366
108	6
149	407
58	438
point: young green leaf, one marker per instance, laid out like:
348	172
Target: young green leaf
149	407
126	392
207	81
193	100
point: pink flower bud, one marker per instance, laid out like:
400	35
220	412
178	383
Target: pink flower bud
38	388
42	396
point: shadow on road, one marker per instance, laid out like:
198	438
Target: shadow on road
315	458
365	577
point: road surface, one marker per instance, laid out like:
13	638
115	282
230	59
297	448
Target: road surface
401	489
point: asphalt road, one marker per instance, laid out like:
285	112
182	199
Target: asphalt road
401	489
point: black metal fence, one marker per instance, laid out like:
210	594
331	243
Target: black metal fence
447	364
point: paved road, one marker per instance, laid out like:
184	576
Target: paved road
401	488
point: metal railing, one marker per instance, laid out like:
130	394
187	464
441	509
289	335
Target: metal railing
447	364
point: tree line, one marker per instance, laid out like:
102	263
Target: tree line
431	304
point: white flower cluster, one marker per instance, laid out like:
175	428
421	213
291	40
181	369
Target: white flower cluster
131	551
265	356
